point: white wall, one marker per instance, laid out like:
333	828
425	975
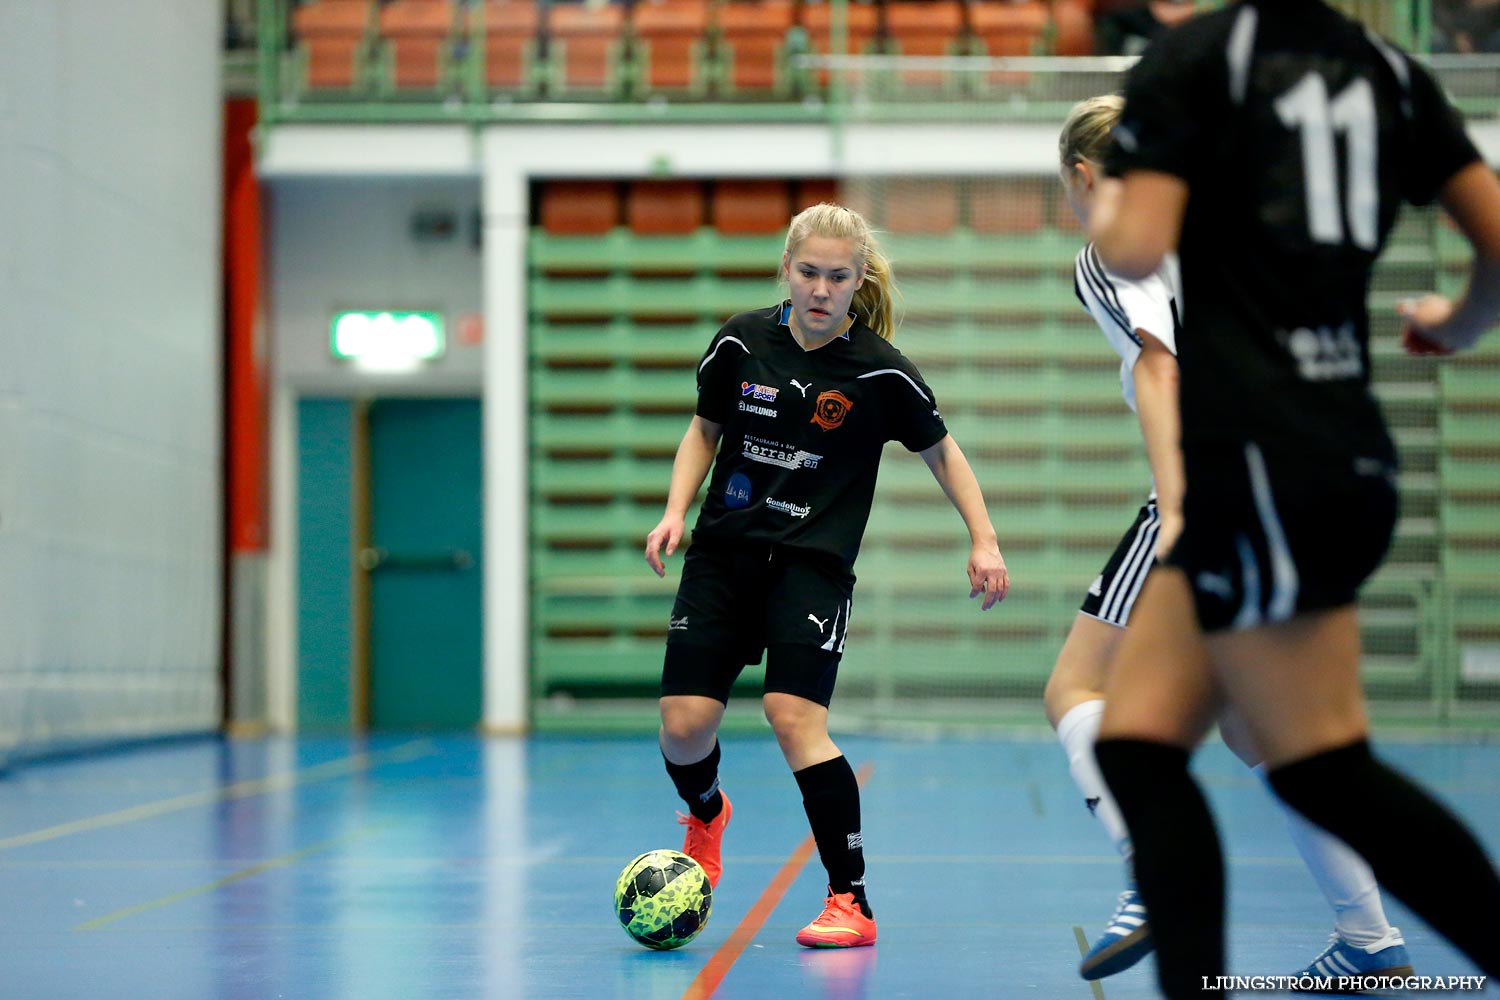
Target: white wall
110	163
347	244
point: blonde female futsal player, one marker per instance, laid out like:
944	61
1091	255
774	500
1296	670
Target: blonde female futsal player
795	404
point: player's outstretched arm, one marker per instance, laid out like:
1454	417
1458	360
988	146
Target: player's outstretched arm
695	456
1433	324
1135	222
987	573
1156	379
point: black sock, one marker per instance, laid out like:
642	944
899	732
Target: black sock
1179	868
698	784
1417	848
830	794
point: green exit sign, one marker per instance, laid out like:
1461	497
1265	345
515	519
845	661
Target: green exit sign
387	340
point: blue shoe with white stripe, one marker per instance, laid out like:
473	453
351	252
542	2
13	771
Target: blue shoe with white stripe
1386	957
1124	942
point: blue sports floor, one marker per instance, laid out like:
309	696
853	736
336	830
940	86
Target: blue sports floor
454	867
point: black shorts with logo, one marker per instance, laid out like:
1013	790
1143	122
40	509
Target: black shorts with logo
738	600
1114	592
1269	535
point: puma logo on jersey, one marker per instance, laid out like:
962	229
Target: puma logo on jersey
814	619
802	388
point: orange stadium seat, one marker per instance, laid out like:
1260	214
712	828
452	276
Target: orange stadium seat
417	34
1004	28
752	37
332	33
863	24
670	34
580	208
510	29
925	28
1073	27
921	205
1008	204
662	208
750	207
587	43
813	192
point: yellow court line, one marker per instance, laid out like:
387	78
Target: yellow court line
1083	951
239	876
228	793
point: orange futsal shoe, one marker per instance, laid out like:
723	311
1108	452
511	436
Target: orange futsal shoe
842	924
704	842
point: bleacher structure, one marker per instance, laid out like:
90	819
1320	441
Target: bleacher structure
473	53
628	279
621	314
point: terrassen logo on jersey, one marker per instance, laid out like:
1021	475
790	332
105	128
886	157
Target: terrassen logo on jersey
779	454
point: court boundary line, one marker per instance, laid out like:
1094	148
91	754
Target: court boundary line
224	793
721	961
270	864
1083	952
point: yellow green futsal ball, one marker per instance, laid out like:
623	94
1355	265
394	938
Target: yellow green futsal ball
662	899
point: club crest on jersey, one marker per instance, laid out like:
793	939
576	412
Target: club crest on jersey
831	409
762	392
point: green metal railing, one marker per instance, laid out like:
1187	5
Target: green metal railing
463	96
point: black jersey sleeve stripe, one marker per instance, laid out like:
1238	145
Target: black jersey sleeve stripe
1114	293
1091	280
1104	288
712	354
1241	50
910	381
1104	292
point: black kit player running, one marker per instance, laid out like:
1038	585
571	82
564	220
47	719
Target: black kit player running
795	405
1279	138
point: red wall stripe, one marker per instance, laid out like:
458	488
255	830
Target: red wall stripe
245	354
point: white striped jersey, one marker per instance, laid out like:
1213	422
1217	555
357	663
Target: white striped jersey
1122	307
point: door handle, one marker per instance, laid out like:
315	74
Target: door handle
374	557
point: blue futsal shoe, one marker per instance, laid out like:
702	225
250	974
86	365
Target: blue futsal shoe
1124	942
1385	958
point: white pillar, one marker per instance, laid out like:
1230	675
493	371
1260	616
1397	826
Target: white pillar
507	647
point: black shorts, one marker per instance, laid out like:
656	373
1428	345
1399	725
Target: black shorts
736	601
1114	591
1267	536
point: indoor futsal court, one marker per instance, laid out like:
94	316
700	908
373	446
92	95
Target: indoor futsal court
446	866
349	350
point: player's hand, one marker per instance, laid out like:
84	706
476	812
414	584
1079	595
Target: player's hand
668	533
987	575
1167	532
1423	326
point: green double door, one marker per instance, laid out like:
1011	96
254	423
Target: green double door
421	564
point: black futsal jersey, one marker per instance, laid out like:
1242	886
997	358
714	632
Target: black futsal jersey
1299	133
804	430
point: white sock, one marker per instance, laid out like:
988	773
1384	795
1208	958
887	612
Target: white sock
1076	731
1346	881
